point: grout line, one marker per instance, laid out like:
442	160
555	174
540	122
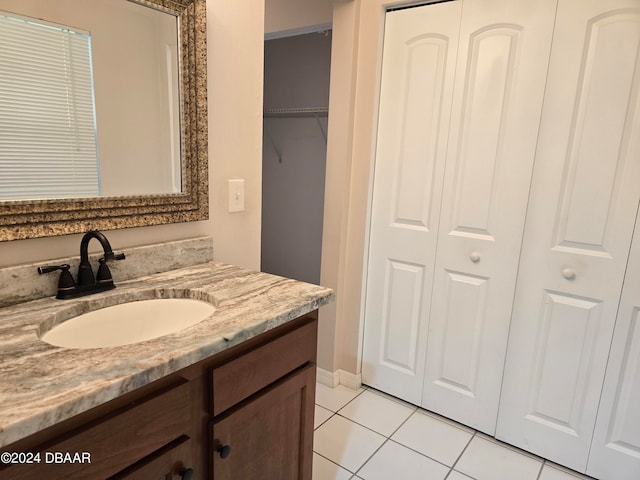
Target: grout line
363	426
544	462
387	439
359	392
362	390
320	424
402	424
412	449
328	459
420	453
462	452
372	455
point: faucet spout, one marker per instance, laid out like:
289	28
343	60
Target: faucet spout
85	273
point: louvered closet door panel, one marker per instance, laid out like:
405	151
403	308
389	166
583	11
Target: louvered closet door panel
500	77
418	71
615	450
582	209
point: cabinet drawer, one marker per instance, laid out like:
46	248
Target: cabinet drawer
167	463
241	377
114	441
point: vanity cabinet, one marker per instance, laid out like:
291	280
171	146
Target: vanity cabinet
246	412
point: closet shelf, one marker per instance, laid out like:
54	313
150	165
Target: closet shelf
314	112
296	112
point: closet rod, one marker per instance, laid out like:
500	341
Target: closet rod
296	112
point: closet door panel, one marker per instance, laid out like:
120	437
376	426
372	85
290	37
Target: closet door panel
584	197
465	309
615	450
417	78
497	102
568	325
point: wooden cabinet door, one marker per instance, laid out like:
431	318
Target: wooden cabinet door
584	197
270	435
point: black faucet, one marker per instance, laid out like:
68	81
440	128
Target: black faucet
87	283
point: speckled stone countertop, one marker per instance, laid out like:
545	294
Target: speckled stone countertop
41	385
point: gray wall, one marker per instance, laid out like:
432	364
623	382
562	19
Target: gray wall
296	75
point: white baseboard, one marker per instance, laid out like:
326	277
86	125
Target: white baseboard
351	380
325	377
339	377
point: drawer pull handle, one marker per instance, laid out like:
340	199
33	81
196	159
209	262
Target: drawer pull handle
474	257
568	273
186	474
224	451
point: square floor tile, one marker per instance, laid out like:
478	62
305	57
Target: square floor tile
335	398
324	469
394	461
554	472
486	460
346	443
377	411
320	416
433	437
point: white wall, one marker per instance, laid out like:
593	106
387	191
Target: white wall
235	64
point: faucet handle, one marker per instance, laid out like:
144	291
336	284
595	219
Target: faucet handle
104	274
114	256
65	283
53	268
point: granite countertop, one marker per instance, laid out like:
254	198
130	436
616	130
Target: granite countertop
41	385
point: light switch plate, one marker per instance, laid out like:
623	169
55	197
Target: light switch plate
236	195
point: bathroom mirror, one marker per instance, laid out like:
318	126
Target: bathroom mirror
134	200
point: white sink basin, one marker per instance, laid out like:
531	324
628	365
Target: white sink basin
128	323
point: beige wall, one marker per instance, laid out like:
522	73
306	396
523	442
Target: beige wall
281	15
355	72
235	63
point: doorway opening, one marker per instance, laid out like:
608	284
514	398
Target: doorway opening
296	99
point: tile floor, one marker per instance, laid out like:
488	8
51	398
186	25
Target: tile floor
368	435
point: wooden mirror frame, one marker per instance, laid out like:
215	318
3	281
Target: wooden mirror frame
20	219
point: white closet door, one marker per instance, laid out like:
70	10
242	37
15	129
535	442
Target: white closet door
580	219
417	78
497	101
615	450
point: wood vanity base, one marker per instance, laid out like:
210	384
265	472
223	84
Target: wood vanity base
245	413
